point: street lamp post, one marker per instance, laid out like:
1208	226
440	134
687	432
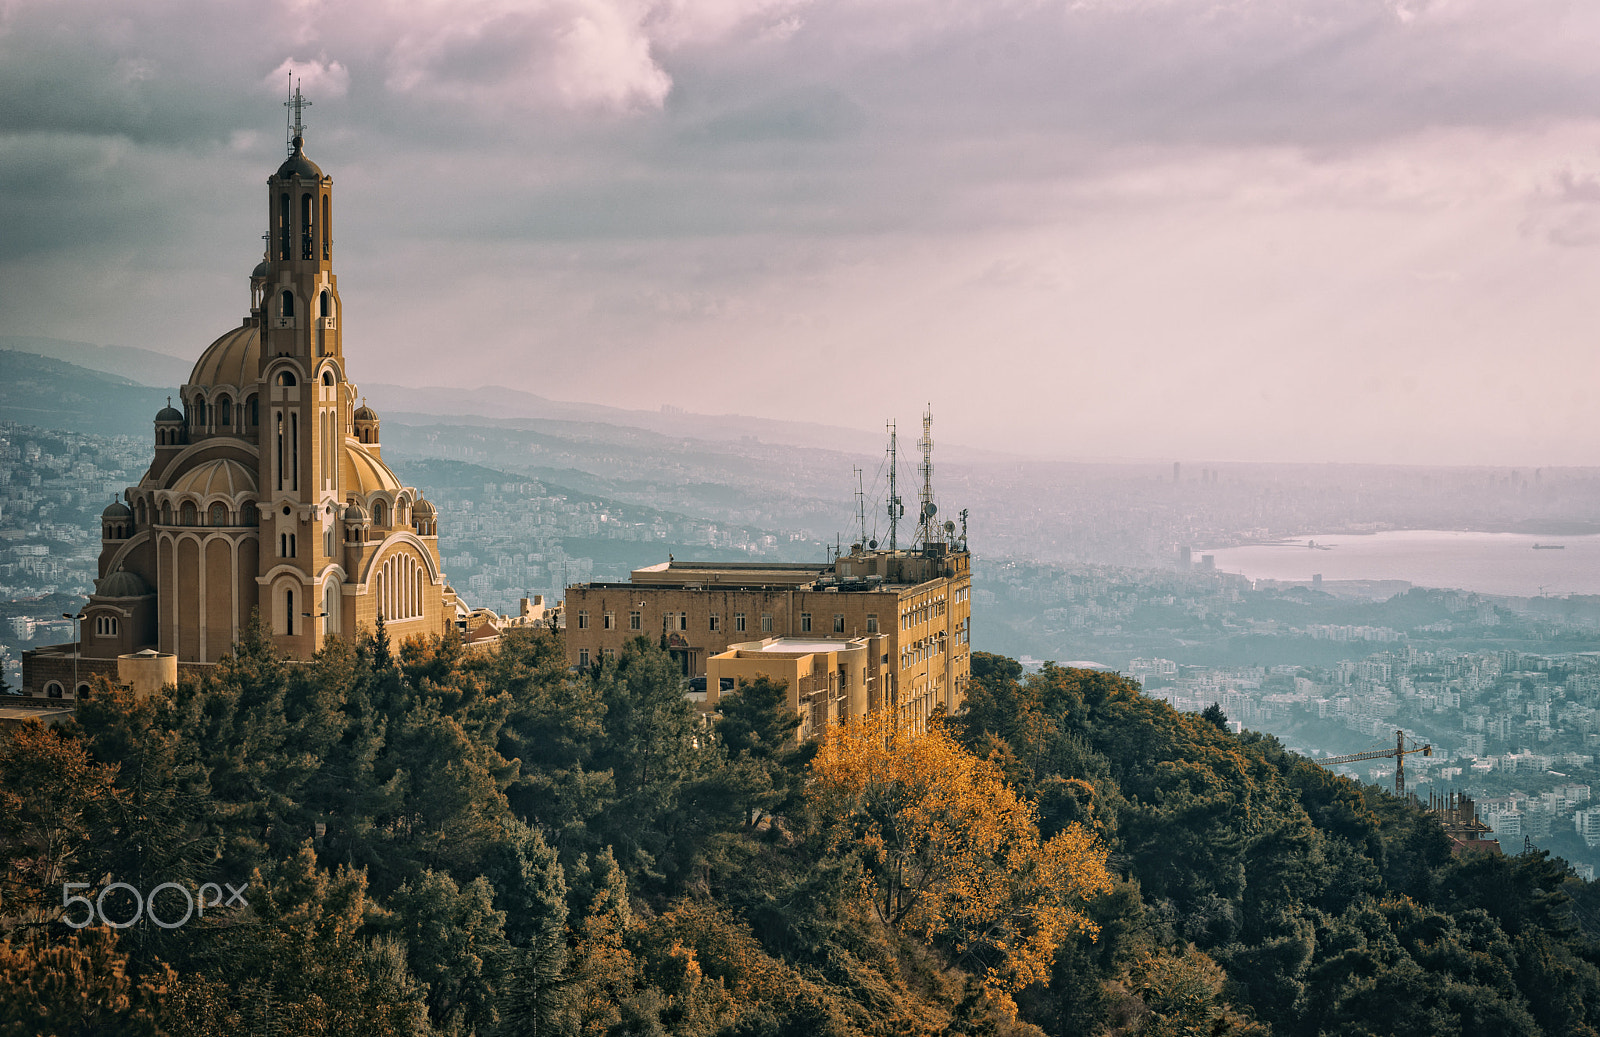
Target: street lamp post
77	650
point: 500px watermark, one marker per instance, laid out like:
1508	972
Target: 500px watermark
146	906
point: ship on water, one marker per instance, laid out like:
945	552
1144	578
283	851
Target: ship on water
1549	547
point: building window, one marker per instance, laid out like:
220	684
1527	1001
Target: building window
766	622
872	623
583	658
805	622
609	653
219	514
716	622
738	622
53	689
105	626
683	621
609	621
583	622
635	621
838	623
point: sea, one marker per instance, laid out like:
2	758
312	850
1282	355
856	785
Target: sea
1488	563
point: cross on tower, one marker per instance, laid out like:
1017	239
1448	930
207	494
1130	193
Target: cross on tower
296	104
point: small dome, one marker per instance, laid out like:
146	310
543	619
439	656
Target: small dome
355	514
423	509
122	584
298	165
116	510
365	413
169	413
262	269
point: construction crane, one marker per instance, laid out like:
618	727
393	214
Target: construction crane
1399	752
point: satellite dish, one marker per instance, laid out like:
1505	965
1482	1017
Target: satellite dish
928	509
872	544
949	527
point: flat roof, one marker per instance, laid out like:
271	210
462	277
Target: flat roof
784	644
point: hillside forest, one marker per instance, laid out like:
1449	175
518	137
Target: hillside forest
409	839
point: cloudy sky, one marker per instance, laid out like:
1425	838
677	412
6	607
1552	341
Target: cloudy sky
1264	229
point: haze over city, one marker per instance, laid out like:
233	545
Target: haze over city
1312	231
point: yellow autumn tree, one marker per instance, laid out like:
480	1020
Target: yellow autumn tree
950	852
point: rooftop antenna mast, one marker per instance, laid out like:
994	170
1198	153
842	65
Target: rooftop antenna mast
861	506
296	105
926	529
896	509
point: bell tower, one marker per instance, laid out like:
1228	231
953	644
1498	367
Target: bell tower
300	296
306	398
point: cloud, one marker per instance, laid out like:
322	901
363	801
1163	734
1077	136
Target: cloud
317	77
1203	201
576	53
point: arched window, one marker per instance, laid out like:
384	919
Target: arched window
286	378
219	514
53	689
287	302
284	233
255	411
139	513
327	245
248	515
198	413
166	513
380	514
188	515
327	378
308	211
225	412
327	304
288	612
83	691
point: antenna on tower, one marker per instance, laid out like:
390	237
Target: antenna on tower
861	506
296	105
927	530
896	509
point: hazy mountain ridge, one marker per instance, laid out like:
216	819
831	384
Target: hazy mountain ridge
142	366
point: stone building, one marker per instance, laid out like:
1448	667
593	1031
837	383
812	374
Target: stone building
920	602
267	489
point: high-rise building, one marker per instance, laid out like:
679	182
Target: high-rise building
267	489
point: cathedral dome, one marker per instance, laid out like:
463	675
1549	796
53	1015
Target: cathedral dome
355	514
362	473
122	584
365	413
116	510
169	413
424	509
233	359
223	476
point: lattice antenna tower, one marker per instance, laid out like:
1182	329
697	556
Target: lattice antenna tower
927	527
296	104
896	509
861	507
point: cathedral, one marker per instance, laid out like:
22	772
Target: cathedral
267	489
